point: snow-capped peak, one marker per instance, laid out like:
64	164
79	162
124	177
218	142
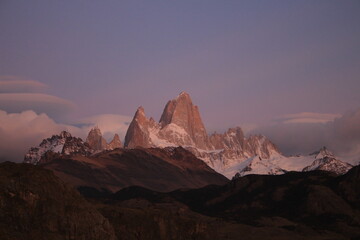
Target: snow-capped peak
181	125
329	164
63	143
323	152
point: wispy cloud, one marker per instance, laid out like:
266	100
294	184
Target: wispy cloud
109	124
27	116
308	117
38	102
18	94
14	84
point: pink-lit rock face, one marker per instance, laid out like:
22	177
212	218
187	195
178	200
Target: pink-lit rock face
138	132
181	125
96	140
181	112
115	143
228	153
98	143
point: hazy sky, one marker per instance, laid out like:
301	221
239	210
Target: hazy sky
243	62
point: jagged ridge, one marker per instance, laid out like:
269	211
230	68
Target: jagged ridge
228	153
181	125
65	144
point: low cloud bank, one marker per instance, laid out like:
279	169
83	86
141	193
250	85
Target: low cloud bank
303	135
109	124
20	131
27	116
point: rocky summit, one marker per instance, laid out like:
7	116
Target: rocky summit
62	144
98	143
115	143
326	161
181	125
96	140
182	113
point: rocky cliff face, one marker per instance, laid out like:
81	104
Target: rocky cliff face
234	146
181	125
65	145
98	143
96	140
115	143
138	134
182	113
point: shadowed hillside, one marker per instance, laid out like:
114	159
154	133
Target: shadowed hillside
35	204
157	169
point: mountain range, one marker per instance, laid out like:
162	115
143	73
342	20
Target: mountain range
230	154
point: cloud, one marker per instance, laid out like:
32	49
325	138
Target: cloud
27	116
296	138
20	131
38	102
294	135
109	124
18	94
308	117
13	84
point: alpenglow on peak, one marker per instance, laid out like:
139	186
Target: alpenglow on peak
181	125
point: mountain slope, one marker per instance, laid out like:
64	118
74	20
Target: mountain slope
157	169
316	199
35	204
295	205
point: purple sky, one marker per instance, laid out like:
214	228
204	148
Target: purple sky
243	62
